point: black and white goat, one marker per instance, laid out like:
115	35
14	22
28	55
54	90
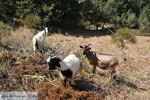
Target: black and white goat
68	67
38	39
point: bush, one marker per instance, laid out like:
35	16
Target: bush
145	30
131	20
4	27
20	39
1	25
32	21
121	37
4	30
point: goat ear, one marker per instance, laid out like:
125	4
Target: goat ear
48	59
81	46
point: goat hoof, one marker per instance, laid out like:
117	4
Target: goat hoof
93	72
125	59
114	77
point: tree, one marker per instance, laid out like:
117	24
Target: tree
121	37
123	13
145	16
7	10
93	11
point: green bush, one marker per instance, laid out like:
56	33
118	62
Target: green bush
131	20
145	30
1	25
121	37
32	21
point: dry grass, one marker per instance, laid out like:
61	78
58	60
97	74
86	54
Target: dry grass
24	71
31	74
132	76
60	93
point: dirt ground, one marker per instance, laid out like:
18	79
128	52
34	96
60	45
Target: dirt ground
31	74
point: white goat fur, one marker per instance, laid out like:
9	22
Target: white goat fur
70	62
38	39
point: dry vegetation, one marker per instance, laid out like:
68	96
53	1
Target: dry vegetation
21	70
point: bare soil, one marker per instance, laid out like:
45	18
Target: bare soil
30	73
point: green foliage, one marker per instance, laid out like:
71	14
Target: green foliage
122	36
94	12
145	16
7	10
32	21
123	13
1	25
24	7
132	21
64	13
4	27
145	30
70	13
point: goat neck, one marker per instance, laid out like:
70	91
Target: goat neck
91	56
88	54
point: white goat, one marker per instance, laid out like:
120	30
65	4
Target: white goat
38	39
68	67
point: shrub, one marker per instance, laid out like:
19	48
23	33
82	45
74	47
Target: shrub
1	25
32	21
4	30
4	27
17	23
123	36
145	30
131	20
20	39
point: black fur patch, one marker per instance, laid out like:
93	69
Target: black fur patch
37	45
67	73
104	67
54	62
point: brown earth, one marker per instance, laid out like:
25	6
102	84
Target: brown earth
30	73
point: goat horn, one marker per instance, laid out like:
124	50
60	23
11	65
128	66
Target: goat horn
89	44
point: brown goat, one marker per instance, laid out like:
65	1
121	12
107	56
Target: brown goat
103	61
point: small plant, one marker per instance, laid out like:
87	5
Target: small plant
1	25
121	37
32	21
145	30
4	30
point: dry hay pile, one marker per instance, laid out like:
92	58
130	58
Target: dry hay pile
7	58
17	73
47	91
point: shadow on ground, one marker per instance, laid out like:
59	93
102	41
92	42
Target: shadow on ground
121	81
87	32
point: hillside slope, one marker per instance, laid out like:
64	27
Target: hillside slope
29	72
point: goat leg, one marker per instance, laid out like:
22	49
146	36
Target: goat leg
65	83
94	69
112	72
